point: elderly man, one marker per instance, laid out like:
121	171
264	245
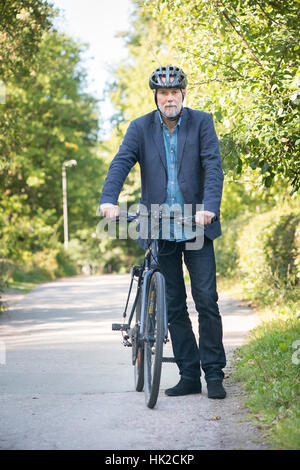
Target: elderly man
178	153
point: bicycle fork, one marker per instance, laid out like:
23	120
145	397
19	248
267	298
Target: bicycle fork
147	279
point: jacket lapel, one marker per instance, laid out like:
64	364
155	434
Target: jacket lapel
182	134
158	139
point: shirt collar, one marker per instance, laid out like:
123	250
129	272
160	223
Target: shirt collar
162	122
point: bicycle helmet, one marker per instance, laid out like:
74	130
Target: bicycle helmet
167	71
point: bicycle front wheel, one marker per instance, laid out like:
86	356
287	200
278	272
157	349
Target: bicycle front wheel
154	338
137	349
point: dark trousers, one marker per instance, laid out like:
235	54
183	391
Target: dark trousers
202	269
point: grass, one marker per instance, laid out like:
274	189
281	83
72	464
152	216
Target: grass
268	368
22	287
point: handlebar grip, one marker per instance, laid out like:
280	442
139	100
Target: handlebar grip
215	218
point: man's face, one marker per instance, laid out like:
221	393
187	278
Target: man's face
169	100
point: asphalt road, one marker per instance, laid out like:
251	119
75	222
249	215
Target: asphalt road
67	383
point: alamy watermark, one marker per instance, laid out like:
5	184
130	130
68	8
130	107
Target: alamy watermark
161	221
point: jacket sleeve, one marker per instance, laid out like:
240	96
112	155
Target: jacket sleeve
120	166
212	166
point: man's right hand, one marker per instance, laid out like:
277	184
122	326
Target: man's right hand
110	211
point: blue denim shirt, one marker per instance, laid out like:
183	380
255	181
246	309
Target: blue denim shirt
174	195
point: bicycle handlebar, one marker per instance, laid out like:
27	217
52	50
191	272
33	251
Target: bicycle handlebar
131	216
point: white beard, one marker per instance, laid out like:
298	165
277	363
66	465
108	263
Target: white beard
170	112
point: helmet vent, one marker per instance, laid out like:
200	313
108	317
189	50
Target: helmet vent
165	72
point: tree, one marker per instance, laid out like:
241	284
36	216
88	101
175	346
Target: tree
54	120
241	57
22	25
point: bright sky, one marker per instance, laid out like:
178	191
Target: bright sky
96	22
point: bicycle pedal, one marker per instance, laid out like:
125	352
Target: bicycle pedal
120	326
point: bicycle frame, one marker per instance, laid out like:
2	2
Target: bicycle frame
145	272
151	265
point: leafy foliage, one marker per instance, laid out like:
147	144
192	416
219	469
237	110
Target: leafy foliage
241	58
47	119
269	255
22	25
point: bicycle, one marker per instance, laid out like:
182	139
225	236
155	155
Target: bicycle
150	331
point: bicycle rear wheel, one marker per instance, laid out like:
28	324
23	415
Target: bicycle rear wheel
137	349
154	338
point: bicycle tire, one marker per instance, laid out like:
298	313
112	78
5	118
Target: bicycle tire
137	349
154	338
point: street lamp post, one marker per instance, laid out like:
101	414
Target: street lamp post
65	204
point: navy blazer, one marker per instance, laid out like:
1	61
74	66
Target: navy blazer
200	175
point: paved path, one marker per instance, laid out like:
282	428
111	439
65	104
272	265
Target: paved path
67	383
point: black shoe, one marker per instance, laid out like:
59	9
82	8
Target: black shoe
184	387
215	389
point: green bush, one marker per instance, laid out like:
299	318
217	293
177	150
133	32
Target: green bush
44	266
65	265
34	275
282	249
268	254
268	251
225	247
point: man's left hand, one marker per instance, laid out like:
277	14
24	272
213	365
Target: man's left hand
203	217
